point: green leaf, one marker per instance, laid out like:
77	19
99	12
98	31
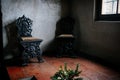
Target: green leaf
77	66
65	66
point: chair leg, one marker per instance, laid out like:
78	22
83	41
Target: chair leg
24	58
40	59
39	54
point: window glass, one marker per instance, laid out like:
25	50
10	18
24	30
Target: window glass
119	7
109	7
107	10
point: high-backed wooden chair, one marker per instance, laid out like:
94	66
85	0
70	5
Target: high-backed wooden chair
65	36
29	43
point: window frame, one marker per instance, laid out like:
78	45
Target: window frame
107	17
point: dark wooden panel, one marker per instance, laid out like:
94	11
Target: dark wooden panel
3	72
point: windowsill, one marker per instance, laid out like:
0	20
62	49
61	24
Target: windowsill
107	21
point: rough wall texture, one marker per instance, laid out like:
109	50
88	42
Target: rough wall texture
100	39
43	13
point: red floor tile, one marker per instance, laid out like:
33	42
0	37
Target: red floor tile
43	71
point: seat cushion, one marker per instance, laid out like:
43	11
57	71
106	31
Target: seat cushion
65	36
30	39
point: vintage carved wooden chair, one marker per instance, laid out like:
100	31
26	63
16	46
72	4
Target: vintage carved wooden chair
30	44
65	37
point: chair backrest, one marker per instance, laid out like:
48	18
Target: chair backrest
65	25
24	26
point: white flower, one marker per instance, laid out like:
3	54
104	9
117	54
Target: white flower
59	78
65	72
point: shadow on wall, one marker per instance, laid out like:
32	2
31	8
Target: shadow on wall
65	25
77	34
12	48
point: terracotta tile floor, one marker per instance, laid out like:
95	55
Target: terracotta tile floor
43	71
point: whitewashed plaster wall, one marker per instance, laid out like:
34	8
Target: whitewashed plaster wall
44	15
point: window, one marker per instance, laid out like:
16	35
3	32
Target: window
107	10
